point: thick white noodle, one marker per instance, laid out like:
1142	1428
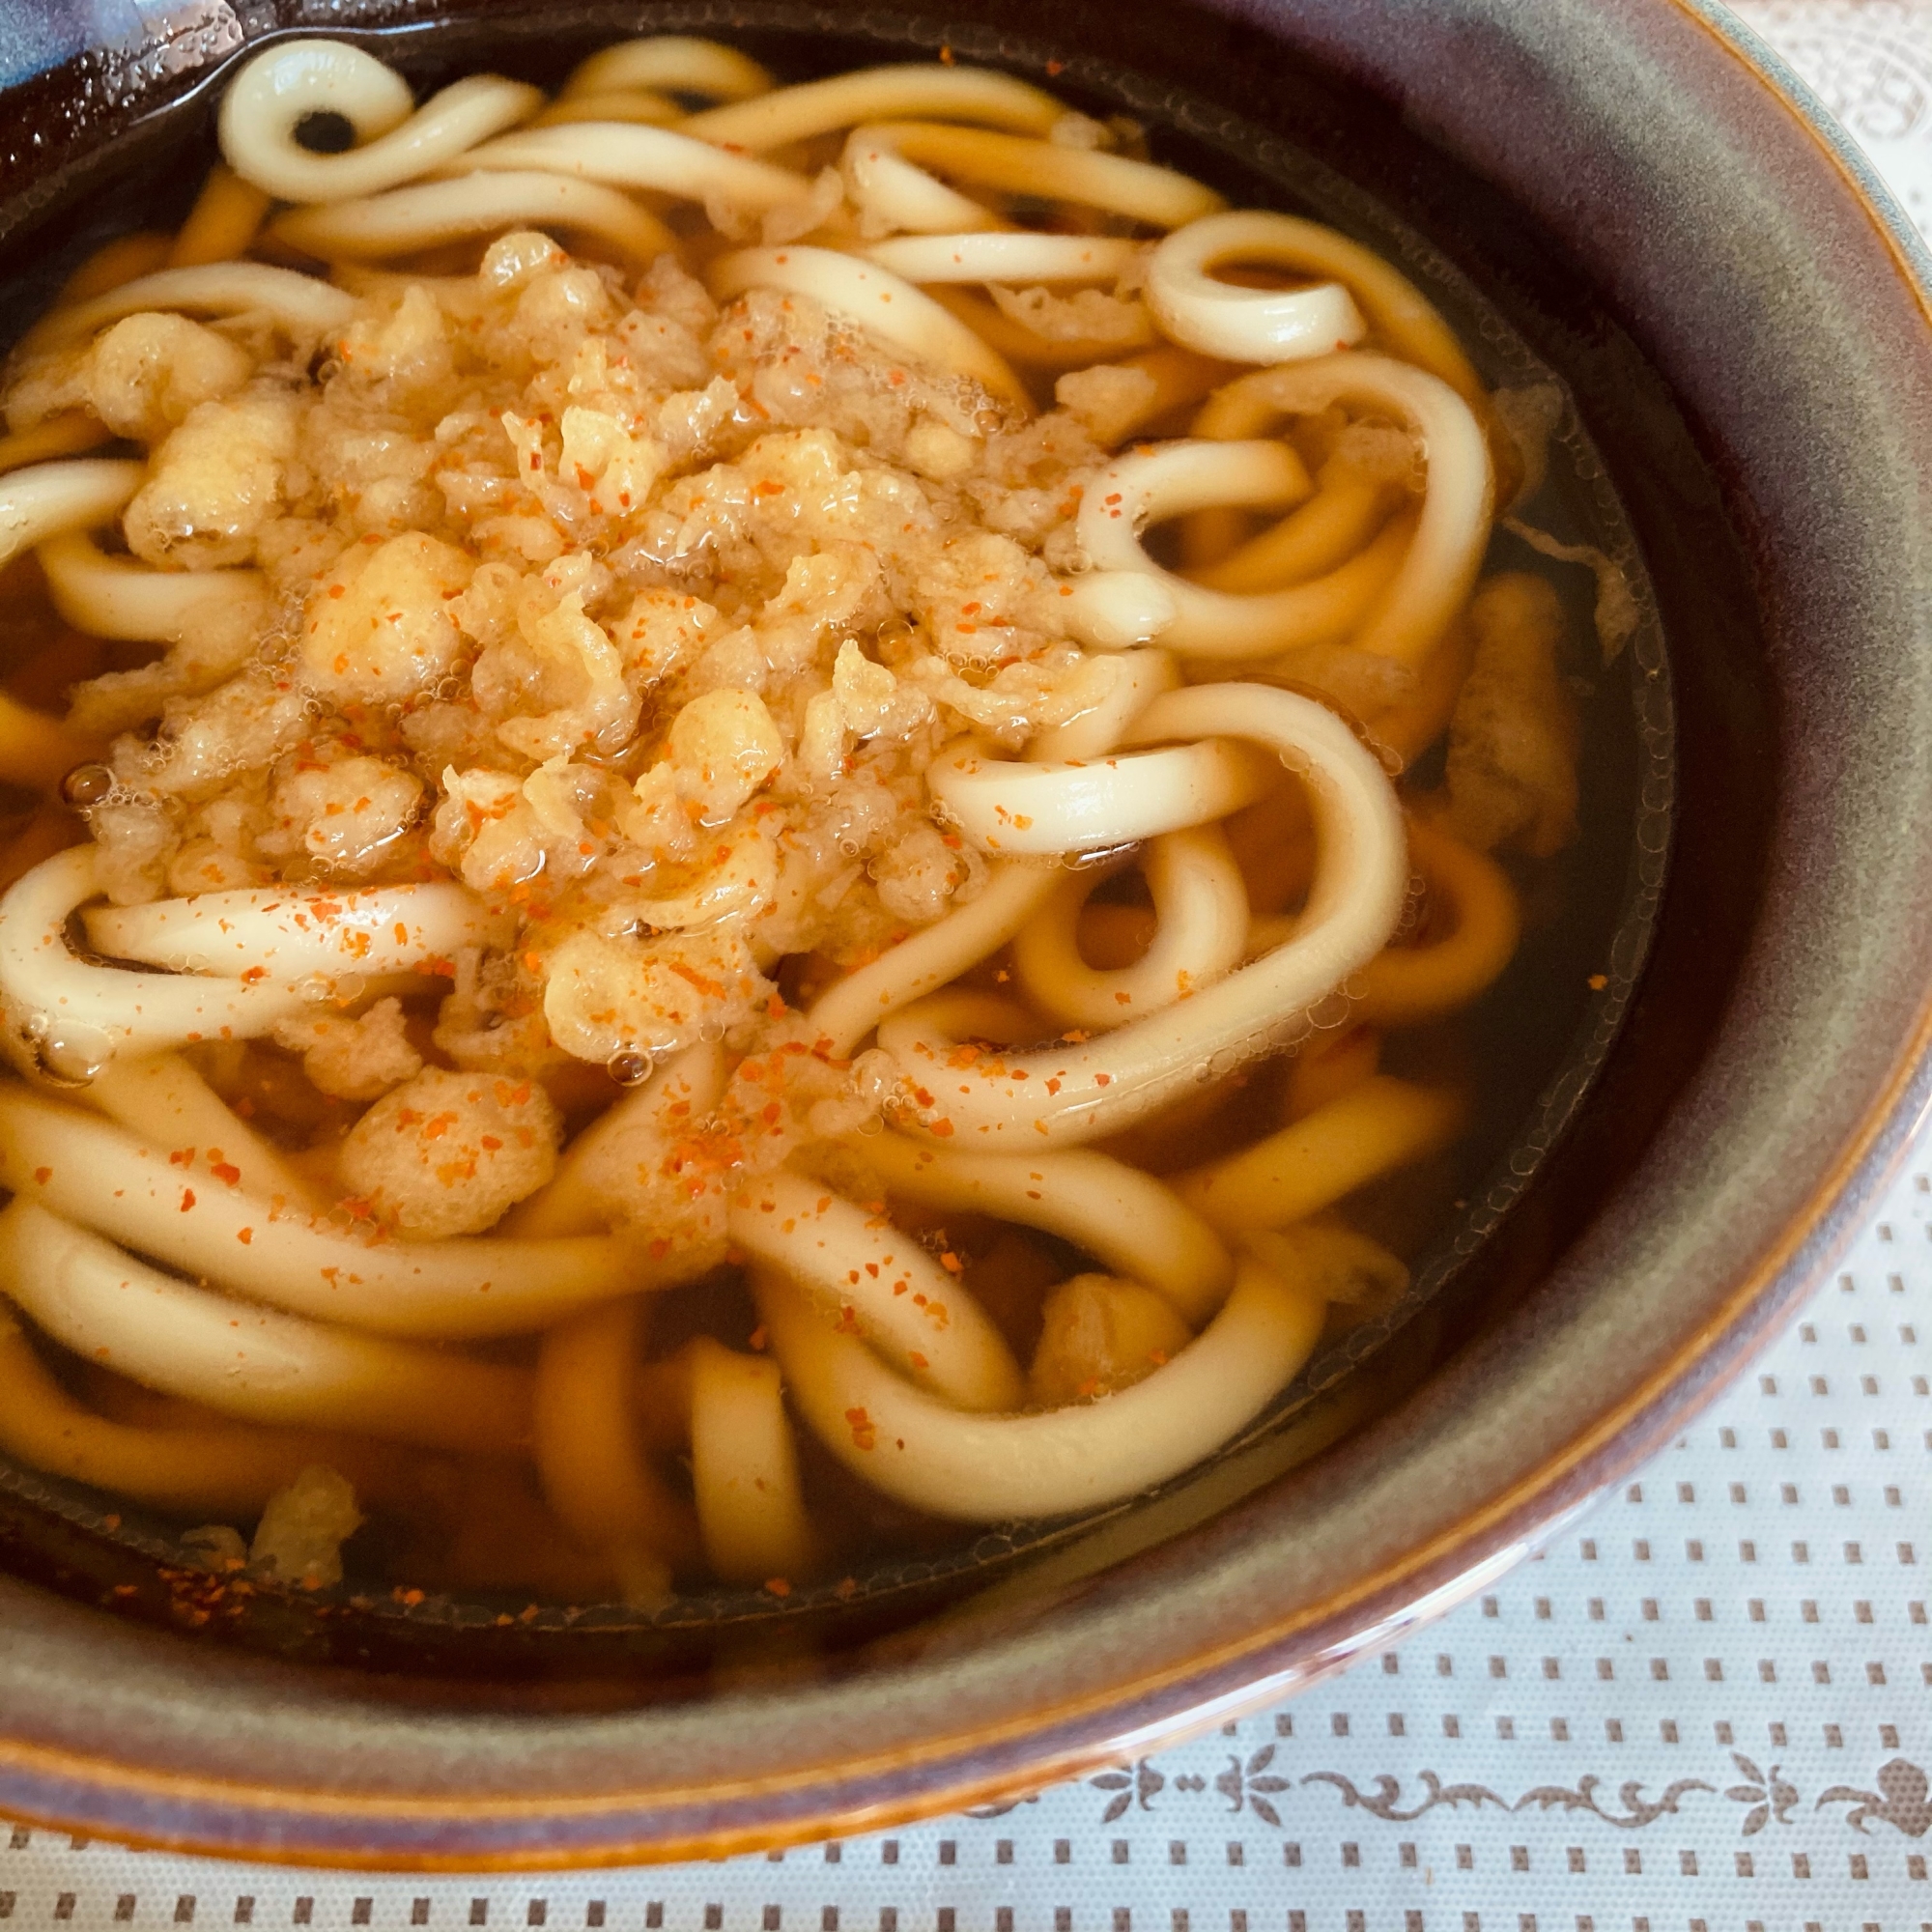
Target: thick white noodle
1116	1213
919	965
744	1468
1065	1092
278	90
1004	256
882	304
1404	322
82	1010
1321	537
674	63
880	158
50	500
884	1285
434	1290
1128	596
923	963
968	1013
663	160
116	597
1244	325
249	1361
996	1469
597	1473
633	107
162	1101
1201	902
1021	809
691	1081
790	114
1438	571
429	213
1308	1165
305	307
891	194
287	932
1139	677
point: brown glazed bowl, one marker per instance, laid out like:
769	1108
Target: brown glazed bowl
1736	307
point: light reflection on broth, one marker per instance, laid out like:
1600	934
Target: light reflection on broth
753	893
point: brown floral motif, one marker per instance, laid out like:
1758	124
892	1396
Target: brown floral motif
1901	1799
1389	1789
1253	1784
1637	1809
1767	1794
1140	1783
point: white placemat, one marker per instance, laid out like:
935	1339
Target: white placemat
1709	1707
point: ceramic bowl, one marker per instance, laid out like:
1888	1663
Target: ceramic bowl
1654	210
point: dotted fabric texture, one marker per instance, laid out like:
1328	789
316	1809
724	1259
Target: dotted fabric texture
1707	1705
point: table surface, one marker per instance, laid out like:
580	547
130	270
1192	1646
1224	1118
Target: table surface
1707	1706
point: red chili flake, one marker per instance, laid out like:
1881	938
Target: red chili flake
757	1339
245	1236
951	1263
1103	1079
865	1435
44	1175
778	1586
187	1198
940	1129
225	1170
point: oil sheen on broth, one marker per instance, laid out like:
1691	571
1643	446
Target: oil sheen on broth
657	949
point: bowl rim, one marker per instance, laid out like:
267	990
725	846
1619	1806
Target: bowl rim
1133	1714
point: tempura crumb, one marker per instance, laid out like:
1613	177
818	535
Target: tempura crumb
447	1153
352	1059
1100	1333
1512	763
302	1529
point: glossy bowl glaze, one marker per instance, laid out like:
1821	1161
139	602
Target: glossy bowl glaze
1737	314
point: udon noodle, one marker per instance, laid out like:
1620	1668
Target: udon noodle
764	767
